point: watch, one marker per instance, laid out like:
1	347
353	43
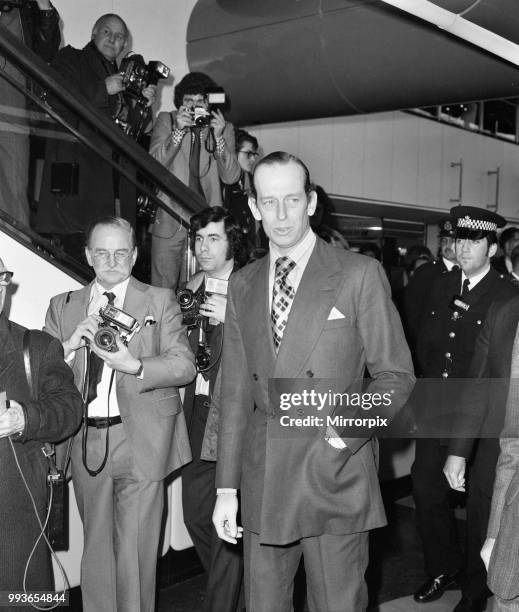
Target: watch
141	368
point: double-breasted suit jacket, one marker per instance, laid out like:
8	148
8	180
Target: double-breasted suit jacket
150	408
293	487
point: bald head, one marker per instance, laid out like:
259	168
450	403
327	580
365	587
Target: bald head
110	35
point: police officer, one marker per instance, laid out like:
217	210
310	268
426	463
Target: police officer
453	318
418	289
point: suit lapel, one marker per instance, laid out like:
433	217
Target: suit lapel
8	352
308	314
136	305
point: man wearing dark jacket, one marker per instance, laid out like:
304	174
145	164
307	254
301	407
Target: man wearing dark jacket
28	420
66	212
452	321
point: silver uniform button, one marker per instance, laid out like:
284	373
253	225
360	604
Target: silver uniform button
479	321
452	335
448	355
445	374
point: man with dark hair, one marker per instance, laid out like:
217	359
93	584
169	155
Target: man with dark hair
455	314
37	24
236	196
508	240
306	312
66	209
198	148
217	243
133	433
49	412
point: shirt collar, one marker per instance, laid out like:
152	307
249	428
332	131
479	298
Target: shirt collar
119	290
449	264
300	252
474	280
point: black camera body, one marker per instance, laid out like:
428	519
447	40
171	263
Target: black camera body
189	302
115	323
137	75
216	100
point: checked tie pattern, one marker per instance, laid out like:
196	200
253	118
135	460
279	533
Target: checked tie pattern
282	297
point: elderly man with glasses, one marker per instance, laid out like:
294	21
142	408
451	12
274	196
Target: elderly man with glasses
134	433
50	412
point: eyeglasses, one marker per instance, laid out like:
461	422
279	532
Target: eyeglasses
120	256
5	278
249	154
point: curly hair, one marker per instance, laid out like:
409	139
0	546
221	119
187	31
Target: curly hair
193	83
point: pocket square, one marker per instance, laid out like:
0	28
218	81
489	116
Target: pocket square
149	320
335	314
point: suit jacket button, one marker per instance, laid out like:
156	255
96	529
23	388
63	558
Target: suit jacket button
255	376
309	373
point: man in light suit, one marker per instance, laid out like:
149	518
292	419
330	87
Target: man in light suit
134	432
306	312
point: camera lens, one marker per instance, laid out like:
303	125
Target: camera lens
105	339
185	298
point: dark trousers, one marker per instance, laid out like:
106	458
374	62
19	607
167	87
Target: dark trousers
334	566
222	561
432	497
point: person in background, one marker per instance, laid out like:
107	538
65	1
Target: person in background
508	240
219	248
78	186
201	153
50	412
236	195
37	24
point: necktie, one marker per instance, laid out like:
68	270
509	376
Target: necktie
465	289
282	297
95	363
194	161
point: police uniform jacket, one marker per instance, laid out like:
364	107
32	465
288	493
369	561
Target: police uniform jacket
446	339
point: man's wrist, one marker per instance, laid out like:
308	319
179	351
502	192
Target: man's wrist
140	371
220	145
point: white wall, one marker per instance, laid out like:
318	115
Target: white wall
158	30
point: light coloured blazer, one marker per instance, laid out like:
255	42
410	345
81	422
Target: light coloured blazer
214	167
295	486
150	408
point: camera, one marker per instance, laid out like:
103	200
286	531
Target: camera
114	323
215	100
189	303
137	75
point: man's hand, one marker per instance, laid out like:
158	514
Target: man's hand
224	517
454	470
84	332
12	421
121	360
150	93
217	123
214	307
114	84
183	118
486	551
44	5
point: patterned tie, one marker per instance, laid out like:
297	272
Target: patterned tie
194	161
282	296
95	363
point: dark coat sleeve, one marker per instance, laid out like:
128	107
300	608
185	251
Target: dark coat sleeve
41	30
56	413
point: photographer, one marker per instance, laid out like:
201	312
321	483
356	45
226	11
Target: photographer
200	153
133	433
217	243
28	419
65	212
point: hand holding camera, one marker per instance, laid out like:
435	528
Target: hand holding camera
217	123
214	307
82	335
114	84
119	359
